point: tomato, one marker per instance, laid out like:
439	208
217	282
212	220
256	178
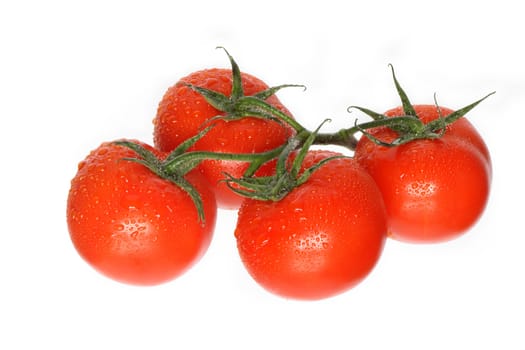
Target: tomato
130	224
182	113
320	240
434	189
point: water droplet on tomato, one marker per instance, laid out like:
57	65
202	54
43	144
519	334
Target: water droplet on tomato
102	151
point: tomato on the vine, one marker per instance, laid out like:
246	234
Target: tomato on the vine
183	112
130	224
434	189
321	239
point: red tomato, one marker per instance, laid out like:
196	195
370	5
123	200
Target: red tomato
434	190
322	239
182	113
132	225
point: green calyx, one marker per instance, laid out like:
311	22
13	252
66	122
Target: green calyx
286	177
408	126
163	168
237	105
181	161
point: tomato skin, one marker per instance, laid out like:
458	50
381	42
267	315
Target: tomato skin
182	113
320	240
131	225
434	190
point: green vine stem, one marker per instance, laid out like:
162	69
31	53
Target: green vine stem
343	137
194	157
286	177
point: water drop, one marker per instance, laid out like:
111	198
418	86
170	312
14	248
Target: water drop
102	151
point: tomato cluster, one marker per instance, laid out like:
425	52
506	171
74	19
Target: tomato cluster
311	223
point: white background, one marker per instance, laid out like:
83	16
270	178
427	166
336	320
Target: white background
75	74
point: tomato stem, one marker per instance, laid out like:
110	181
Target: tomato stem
195	157
343	137
286	176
